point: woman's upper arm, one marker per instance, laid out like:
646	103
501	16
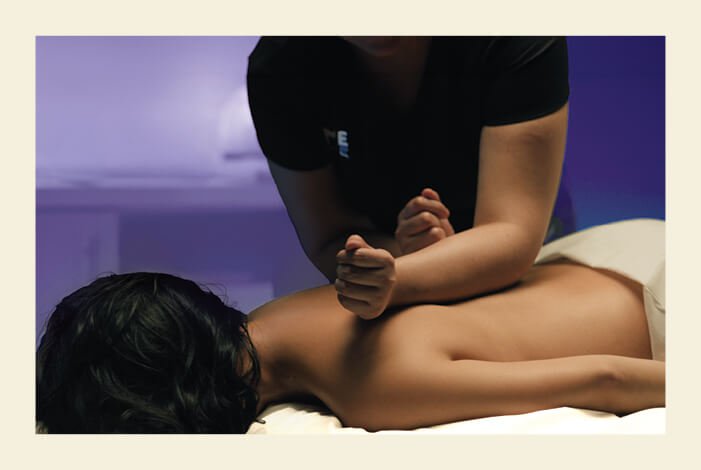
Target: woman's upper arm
441	390
484	388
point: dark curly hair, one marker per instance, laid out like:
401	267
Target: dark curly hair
146	353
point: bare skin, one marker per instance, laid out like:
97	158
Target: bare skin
567	335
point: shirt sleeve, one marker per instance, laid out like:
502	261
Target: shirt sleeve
281	109
525	78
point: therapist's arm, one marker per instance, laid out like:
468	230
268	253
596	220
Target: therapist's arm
322	220
519	174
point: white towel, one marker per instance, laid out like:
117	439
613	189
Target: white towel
634	248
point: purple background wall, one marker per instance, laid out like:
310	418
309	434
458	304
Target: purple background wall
146	160
616	142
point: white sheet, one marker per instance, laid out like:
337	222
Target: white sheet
304	419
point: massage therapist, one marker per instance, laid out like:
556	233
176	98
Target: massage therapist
414	169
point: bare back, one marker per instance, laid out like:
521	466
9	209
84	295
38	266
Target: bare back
559	309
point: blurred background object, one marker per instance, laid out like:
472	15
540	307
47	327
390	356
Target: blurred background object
146	159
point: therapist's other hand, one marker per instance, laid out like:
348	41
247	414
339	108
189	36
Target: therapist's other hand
422	222
365	278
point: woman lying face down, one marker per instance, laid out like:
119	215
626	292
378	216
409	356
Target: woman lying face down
149	352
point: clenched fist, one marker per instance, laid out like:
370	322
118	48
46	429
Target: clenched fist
365	278
422	222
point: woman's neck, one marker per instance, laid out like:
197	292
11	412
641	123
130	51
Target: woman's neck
278	380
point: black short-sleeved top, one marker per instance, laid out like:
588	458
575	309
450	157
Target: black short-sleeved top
312	106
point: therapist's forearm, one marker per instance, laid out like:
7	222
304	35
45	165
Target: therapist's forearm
325	257
479	260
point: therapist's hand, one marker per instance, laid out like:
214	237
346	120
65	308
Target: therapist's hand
422	222
365	278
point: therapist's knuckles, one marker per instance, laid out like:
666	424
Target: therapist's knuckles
361	308
350	273
418	223
422	203
419	214
422	222
358	307
372	276
364	259
426	229
422	240
447	227
444	221
434	235
368	276
374	295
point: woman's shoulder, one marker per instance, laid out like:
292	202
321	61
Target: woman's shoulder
321	298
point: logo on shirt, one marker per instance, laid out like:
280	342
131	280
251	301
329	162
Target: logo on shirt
340	138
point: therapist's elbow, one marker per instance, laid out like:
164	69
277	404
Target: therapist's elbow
524	252
520	271
512	274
